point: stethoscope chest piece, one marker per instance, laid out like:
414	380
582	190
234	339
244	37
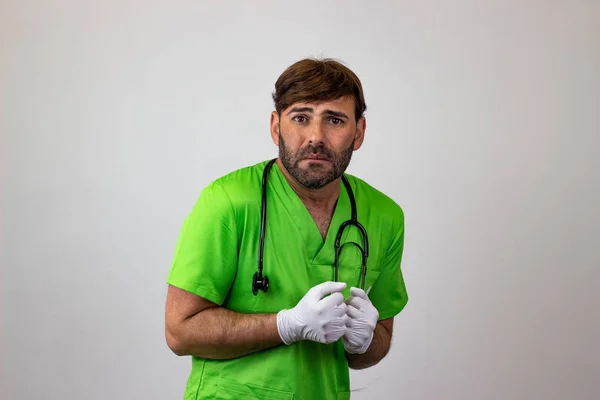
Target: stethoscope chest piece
259	283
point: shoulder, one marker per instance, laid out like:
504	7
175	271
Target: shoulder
238	187
380	205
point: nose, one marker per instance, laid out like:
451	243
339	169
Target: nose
316	135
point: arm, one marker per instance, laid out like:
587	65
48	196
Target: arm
196	326
380	345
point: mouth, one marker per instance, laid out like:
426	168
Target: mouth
316	157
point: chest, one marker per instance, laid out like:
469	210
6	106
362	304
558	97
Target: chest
322	219
297	256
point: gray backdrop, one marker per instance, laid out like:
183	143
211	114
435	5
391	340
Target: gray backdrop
483	124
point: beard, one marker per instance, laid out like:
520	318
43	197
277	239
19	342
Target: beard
316	175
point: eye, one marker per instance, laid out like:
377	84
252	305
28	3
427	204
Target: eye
336	121
299	118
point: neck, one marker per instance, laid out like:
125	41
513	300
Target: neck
323	198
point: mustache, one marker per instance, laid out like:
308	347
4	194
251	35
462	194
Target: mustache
312	150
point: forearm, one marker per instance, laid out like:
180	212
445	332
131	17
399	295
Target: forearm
379	347
219	333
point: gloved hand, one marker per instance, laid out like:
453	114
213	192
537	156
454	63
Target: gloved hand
314	317
361	324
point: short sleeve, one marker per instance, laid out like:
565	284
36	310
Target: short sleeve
388	293
205	258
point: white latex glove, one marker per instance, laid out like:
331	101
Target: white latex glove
315	318
361	324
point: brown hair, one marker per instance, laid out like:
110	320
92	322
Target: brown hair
317	80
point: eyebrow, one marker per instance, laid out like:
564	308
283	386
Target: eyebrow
338	114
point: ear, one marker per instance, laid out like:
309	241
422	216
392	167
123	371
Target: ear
275	128
359	136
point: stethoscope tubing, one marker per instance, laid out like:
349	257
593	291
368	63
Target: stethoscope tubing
261	282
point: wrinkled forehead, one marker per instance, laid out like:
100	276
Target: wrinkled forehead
342	104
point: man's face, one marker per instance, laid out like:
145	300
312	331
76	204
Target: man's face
316	140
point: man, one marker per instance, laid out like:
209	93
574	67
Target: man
298	336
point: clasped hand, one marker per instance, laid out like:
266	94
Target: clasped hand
362	320
323	316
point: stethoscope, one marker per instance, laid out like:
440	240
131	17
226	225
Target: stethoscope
261	282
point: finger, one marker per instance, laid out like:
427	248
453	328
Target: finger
353	312
326	288
344	319
335	300
357	302
339	310
359	293
350	323
339	313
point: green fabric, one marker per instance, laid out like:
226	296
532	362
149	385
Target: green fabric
216	257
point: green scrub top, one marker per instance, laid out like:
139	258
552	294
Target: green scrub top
216	256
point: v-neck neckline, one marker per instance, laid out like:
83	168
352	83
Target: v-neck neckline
318	251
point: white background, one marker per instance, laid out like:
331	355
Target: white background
483	124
